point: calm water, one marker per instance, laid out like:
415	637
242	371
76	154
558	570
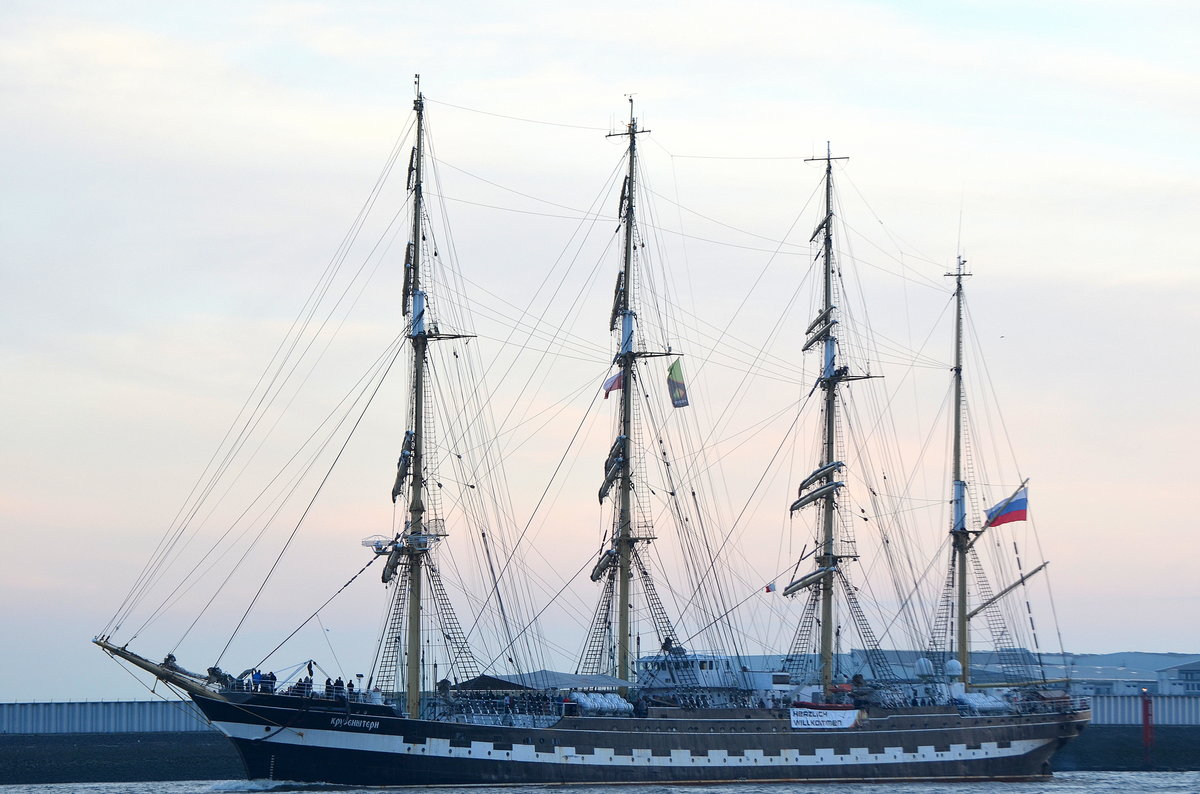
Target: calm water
1063	782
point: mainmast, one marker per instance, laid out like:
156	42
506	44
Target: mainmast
626	357
961	537
618	564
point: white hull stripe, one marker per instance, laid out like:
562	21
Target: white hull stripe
440	748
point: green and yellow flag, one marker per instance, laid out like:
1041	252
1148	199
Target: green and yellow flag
675	385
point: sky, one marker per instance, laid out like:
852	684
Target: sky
176	176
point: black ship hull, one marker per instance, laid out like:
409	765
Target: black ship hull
281	739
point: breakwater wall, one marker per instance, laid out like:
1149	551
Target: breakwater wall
102	716
117	757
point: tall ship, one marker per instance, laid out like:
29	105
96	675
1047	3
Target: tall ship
664	688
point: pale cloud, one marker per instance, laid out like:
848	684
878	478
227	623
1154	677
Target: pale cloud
162	94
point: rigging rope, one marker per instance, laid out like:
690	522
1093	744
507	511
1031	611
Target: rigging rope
303	515
316	613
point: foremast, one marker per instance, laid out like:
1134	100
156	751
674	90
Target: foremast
626	357
410	549
416	503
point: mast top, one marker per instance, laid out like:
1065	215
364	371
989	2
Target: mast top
960	269
631	127
828	158
419	102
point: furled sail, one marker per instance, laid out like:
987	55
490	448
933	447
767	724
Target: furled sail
403	464
607	560
819	475
815	495
612	466
807	580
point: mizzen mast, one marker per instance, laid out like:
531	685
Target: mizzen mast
829	382
823	480
959	533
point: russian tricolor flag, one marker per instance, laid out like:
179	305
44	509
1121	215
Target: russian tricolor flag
614	383
1015	508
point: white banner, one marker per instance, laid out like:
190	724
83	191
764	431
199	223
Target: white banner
824	718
